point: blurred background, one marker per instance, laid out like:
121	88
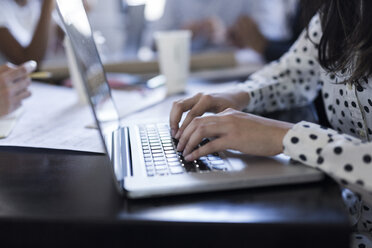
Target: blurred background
225	33
124	29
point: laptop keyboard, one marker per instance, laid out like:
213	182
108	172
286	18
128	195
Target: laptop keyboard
162	158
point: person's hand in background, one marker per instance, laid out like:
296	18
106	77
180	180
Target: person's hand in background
202	103
212	30
245	33
14	82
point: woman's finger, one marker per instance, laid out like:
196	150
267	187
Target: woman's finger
207	130
195	123
178	109
215	145
202	105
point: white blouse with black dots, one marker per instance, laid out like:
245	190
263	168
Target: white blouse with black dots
344	152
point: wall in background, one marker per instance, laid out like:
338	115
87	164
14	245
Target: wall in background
108	22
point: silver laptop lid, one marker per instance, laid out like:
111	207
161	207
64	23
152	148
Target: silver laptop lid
78	30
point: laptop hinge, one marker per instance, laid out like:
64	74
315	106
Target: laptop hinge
122	157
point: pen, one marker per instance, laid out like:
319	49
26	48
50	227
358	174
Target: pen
41	75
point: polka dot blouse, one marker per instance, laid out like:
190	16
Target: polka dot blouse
343	152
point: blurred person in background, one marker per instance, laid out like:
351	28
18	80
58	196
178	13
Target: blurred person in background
24	29
246	32
240	23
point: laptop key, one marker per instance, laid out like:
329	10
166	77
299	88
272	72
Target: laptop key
176	170
175	141
160	163
189	167
156	151
149	164
150	173
153	144
204	141
172	159
161	173
155	147
204	159
219	167
159	159
203	166
213	158
217	162
160	167
174	164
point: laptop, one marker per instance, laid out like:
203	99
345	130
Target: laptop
143	158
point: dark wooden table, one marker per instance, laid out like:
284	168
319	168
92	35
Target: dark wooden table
56	199
51	198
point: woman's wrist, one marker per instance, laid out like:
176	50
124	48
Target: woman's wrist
282	130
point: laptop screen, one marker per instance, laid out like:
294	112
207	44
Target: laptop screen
90	68
89	64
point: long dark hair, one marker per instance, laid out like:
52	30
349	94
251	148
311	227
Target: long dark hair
346	44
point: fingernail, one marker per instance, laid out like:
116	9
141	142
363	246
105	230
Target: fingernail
189	157
178	147
30	66
185	153
173	132
178	134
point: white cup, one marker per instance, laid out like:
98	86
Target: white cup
174	58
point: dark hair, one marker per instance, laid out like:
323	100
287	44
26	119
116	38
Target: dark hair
346	44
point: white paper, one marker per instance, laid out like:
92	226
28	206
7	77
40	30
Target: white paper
8	122
53	118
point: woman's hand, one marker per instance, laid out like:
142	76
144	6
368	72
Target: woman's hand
14	82
235	130
202	103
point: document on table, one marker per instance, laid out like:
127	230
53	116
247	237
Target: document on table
8	122
53	118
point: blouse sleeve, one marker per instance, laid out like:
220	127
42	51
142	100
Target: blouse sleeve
343	157
291	81
294	81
